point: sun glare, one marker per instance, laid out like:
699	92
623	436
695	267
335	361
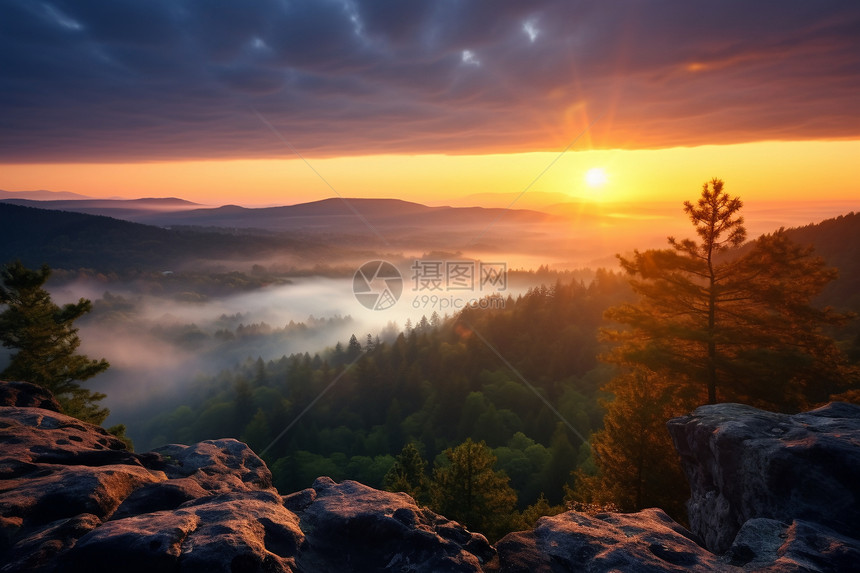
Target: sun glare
596	177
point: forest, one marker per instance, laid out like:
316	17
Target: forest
434	386
555	399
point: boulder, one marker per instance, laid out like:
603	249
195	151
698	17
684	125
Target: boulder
770	546
648	541
219	466
353	527
26	395
743	463
770	493
233	532
72	498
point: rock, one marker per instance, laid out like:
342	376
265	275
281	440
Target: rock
647	541
783	491
352	527
743	463
243	531
26	395
767	545
38	552
54	467
219	466
73	498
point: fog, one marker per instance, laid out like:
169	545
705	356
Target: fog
158	344
163	333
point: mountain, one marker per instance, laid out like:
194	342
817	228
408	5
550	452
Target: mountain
837	240
128	209
329	214
335	214
41	195
78	240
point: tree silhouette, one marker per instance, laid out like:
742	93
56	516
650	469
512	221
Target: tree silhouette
729	325
713	322
47	342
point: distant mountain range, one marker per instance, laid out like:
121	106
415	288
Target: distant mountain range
335	214
128	209
160	233
68	240
41	195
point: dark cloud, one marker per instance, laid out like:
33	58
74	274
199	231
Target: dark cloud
130	80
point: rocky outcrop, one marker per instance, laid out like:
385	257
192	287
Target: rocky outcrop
743	463
353	527
72	498
26	395
647	541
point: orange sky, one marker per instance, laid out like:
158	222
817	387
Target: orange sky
430	101
804	170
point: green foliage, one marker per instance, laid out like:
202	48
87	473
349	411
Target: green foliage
638	464
529	516
468	489
119	431
47	341
711	322
433	387
408	474
727	326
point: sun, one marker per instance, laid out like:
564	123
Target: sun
596	177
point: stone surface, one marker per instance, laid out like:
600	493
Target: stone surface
242	531
743	463
72	498
26	395
647	541
352	527
783	491
767	545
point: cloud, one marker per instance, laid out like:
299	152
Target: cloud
173	79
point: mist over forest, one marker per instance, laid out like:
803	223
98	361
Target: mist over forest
260	333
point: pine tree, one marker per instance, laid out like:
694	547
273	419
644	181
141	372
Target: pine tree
727	325
407	474
470	491
47	341
638	464
713	322
353	348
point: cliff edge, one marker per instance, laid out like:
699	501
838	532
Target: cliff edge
72	498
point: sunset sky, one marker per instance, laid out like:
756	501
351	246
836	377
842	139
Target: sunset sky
276	102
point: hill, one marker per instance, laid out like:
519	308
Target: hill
77	240
128	209
837	240
41	195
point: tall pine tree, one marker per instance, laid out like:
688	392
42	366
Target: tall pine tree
47	342
729	325
714	322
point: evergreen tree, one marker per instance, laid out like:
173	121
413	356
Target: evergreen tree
468	489
353	349
243	404
47	341
407	474
638	464
713	322
729	326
